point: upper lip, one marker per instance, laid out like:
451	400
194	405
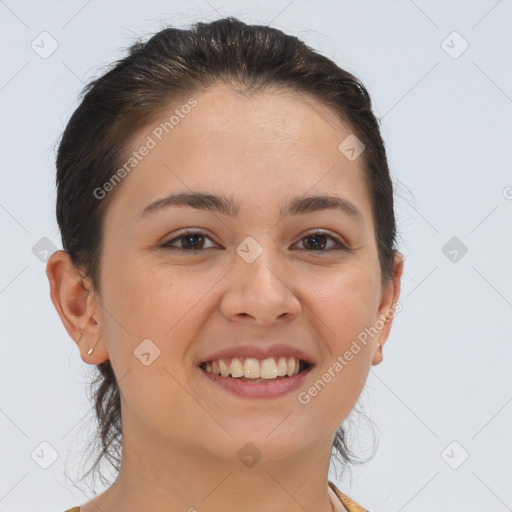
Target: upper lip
258	352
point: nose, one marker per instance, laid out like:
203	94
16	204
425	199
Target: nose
260	292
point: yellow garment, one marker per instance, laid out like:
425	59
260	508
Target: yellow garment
349	504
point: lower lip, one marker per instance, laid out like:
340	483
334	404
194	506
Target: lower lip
271	389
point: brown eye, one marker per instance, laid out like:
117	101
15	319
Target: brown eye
194	241
189	241
318	241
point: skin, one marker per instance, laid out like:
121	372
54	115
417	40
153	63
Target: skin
181	432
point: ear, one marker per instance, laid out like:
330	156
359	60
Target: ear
77	306
388	307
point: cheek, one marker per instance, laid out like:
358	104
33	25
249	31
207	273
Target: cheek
150	303
342	376
348	300
345	308
150	298
167	305
140	303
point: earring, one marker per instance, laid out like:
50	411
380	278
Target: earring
378	345
89	352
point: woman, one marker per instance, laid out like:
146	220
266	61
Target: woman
229	265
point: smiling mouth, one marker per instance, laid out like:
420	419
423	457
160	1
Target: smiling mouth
256	370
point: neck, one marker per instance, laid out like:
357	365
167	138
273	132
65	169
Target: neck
188	478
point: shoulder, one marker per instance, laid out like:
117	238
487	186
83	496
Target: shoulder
349	503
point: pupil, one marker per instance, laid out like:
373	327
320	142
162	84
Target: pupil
315	244
188	239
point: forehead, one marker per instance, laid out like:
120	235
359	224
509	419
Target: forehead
251	146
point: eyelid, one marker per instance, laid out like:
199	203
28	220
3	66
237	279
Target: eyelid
341	243
182	234
337	238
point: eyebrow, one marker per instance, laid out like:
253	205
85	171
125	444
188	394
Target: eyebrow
229	207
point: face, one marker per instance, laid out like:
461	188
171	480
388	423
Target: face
254	275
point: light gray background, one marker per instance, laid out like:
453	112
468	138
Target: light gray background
447	126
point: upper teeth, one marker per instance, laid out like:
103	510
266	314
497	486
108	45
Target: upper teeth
254	368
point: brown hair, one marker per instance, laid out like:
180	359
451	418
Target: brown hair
170	65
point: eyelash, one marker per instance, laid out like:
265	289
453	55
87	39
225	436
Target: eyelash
340	246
